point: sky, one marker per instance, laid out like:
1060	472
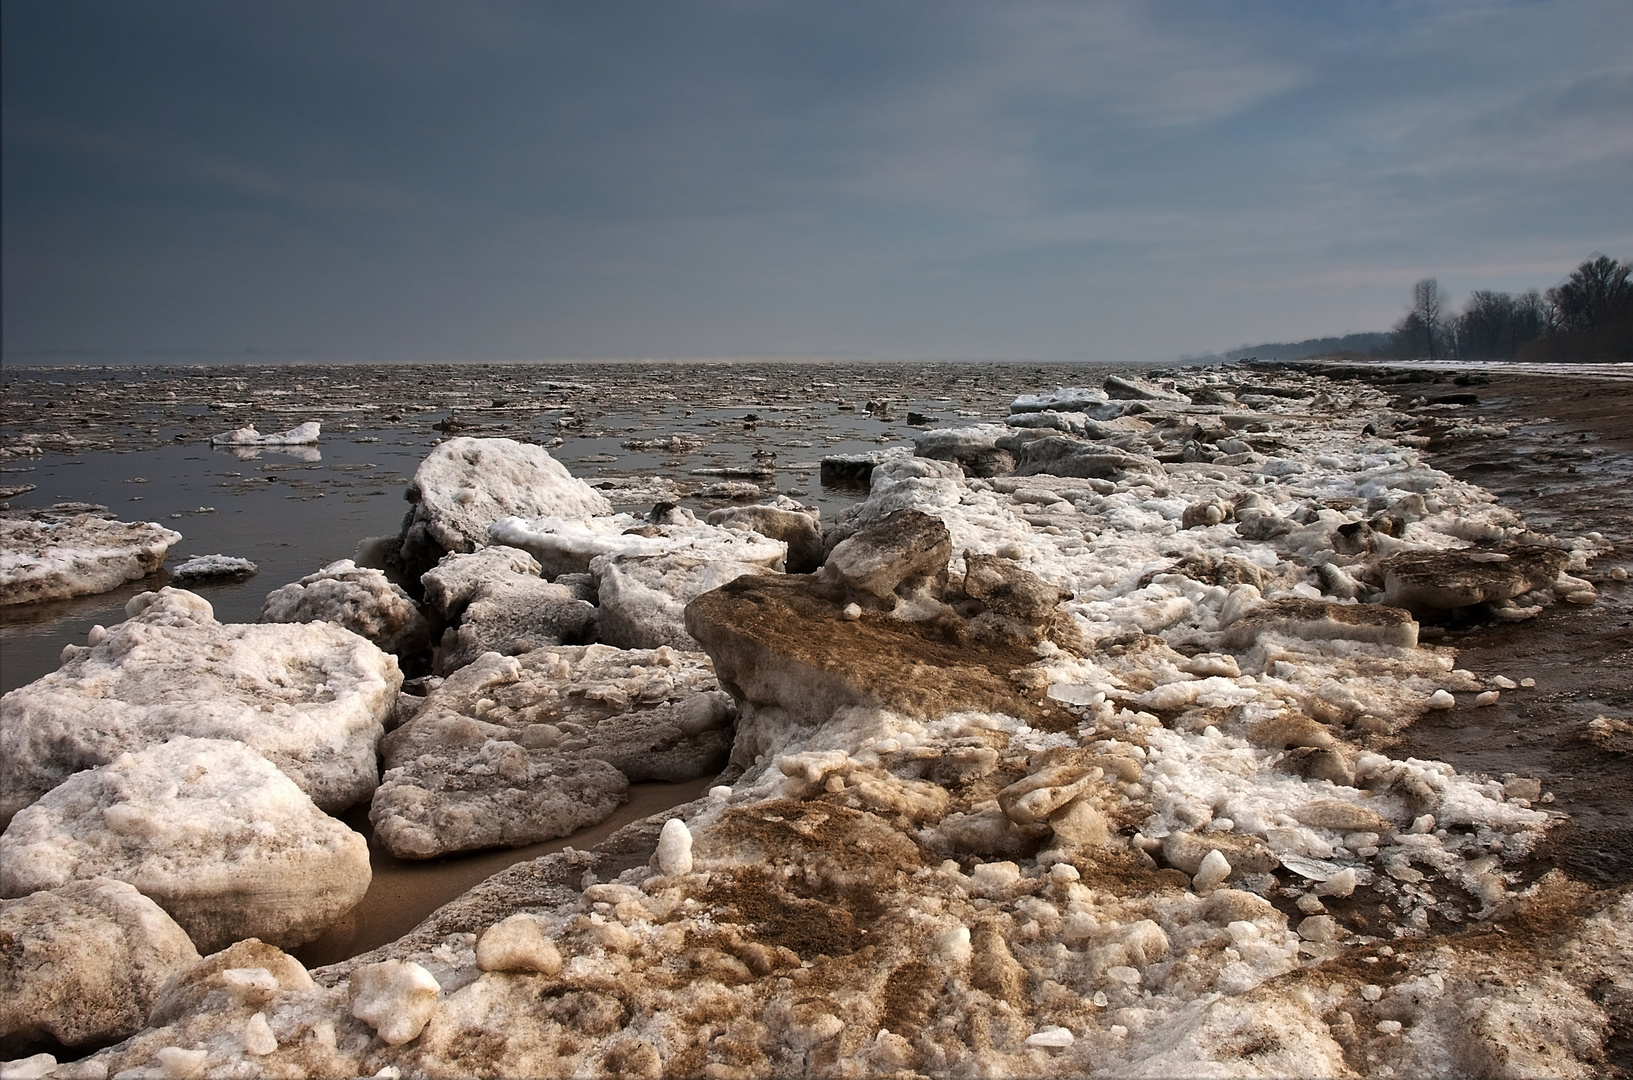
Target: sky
891	179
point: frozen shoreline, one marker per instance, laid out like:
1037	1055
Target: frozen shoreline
1149	697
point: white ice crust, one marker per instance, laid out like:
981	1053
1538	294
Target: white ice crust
80	555
206	828
301	435
311	698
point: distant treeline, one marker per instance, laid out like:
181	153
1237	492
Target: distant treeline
1588	316
1364	344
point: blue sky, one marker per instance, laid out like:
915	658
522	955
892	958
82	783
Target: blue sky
1105	181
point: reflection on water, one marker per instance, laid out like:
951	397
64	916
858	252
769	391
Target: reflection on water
253	453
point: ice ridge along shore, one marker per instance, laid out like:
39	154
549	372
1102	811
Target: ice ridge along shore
1064	760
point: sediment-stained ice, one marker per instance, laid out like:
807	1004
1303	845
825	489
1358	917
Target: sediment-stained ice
1100	789
84	963
206	828
54	556
512	750
312	698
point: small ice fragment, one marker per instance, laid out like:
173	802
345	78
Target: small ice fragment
1064	872
954	945
1389	1027
1441	699
1051	1036
1422	825
1488	698
250	986
852	612
179	1064
1213	871
720	792
1528	683
1618	573
28	1068
1372	992
394	997
1503	682
1340	884
517	944
675	848
258	1038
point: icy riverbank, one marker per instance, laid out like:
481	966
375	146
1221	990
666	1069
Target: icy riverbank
1061	764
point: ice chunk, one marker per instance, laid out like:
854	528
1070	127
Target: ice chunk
518	944
675	848
1212	872
361	599
301	435
311	698
394	997
467	484
85	962
208	829
76	555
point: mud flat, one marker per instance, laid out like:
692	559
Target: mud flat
1083	750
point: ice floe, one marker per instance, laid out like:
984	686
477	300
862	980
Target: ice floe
206	828
301	435
50	555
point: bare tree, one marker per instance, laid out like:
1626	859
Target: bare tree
1426	306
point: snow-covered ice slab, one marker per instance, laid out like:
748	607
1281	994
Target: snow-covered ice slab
213	568
466	484
54	557
312	698
513	750
206	828
301	435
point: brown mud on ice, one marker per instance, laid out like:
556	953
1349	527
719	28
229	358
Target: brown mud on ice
1567	467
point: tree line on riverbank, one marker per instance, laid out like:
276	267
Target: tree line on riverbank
1587	317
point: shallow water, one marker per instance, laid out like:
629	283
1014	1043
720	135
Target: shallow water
136	441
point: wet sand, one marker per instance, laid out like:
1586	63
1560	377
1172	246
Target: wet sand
1568	469
404	891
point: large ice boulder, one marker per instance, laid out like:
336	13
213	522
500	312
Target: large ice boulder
208	829
466	484
512	750
500	604
361	599
476	789
51	556
312	698
84	963
644	597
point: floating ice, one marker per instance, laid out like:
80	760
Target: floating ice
76	555
301	435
